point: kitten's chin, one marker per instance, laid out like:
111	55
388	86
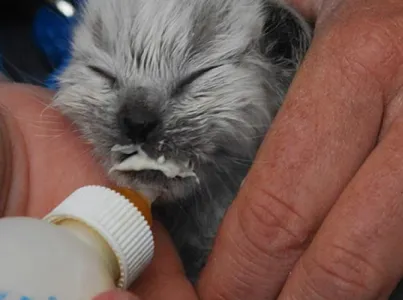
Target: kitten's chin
153	183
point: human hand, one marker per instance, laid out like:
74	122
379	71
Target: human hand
320	215
43	160
42	157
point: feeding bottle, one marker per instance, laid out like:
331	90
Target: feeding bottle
96	240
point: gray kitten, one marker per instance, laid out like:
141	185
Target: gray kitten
197	80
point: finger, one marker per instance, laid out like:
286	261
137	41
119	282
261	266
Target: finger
307	8
357	252
329	123
49	159
116	295
164	279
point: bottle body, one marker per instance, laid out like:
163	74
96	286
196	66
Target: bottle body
96	240
39	260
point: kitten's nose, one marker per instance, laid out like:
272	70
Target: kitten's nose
136	123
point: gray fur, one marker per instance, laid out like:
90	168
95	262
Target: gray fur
218	120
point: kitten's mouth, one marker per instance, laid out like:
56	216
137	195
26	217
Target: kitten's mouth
135	160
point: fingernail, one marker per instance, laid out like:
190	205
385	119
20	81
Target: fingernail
5	162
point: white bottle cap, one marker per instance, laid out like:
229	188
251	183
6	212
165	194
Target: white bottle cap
117	220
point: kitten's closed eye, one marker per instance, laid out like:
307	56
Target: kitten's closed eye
190	78
105	74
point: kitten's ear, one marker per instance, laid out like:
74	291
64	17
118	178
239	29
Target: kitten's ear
286	36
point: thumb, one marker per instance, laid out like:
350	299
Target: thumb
116	295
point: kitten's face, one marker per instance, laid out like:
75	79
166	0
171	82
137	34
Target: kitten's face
190	80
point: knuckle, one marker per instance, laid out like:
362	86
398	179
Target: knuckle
365	43
342	272
273	226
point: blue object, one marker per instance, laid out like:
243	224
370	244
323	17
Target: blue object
51	82
52	33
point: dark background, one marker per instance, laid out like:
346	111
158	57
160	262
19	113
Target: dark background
22	60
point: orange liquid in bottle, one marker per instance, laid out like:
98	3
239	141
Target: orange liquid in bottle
138	200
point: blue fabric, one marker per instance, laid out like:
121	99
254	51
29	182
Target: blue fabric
52	33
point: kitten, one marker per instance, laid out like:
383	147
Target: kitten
195	81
